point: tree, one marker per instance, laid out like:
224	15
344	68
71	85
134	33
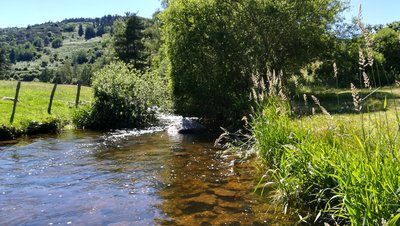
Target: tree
38	43
214	47
4	64
127	39
56	43
90	32
80	30
13	56
100	31
387	42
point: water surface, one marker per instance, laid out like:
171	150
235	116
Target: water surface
128	178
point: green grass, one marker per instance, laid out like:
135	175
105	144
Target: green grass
344	168
33	102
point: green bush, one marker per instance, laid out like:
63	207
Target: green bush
122	98
56	43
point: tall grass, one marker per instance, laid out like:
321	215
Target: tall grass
346	168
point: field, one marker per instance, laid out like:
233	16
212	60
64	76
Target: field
34	100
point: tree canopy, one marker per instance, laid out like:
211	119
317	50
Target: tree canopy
215	46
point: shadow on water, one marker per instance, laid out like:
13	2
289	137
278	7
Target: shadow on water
128	178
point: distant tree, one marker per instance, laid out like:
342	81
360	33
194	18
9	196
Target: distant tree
4	64
128	41
387	42
46	75
69	28
81	57
56	43
86	75
90	32
46	41
13	56
80	30
100	31
23	52
38	43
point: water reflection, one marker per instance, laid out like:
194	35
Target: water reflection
126	178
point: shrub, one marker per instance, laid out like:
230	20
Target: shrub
122	98
56	43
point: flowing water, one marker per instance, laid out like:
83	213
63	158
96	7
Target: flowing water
128	178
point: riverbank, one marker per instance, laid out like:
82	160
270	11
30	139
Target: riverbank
31	114
342	167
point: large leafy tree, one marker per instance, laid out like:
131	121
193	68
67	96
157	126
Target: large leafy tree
215	46
387	42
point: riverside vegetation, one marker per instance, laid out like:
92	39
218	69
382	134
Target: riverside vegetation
203	58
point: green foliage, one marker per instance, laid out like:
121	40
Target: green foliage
38	43
4	63
387	42
56	43
346	171
80	30
89	32
127	40
80	57
25	52
214	47
122	98
69	27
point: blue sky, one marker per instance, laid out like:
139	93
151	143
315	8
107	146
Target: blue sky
21	13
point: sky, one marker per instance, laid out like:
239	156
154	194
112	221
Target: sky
21	13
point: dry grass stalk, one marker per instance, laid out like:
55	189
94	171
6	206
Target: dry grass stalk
305	99
335	70
366	80
361	59
356	98
324	111
367	37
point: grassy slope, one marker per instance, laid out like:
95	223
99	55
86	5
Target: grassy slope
34	100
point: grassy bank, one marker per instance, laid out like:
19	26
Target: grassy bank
31	113
343	167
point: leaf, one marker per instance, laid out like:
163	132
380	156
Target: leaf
318	216
394	220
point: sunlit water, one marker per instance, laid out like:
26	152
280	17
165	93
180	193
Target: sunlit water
127	178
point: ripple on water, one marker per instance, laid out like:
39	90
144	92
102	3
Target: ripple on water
127	177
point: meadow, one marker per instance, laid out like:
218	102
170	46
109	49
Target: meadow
33	102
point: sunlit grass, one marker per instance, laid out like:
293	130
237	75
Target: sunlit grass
344	167
34	100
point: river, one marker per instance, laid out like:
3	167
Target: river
120	178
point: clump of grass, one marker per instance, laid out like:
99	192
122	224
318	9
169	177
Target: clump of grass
346	175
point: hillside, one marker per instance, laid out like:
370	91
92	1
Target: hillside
65	52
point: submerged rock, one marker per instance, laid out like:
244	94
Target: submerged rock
186	126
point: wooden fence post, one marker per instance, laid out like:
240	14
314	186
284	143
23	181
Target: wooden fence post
15	101
78	93
51	98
